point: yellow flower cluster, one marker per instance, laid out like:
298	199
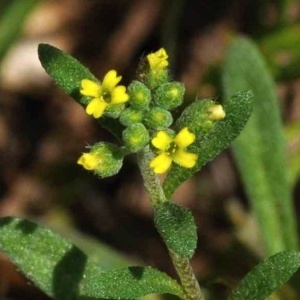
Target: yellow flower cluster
103	95
173	149
169	148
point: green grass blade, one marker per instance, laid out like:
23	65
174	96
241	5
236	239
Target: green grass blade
260	149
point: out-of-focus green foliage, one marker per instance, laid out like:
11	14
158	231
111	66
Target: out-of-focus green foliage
281	50
260	149
293	136
12	18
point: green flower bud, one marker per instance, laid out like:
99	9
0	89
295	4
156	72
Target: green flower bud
139	94
201	116
104	159
216	112
155	78
135	137
169	95
130	116
158	118
114	111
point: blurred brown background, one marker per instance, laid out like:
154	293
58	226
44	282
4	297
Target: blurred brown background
43	131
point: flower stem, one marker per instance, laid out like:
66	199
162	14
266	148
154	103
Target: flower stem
151	181
157	197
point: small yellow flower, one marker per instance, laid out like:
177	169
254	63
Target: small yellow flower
158	60
217	112
89	161
173	149
105	94
104	159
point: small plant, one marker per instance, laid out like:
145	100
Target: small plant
140	119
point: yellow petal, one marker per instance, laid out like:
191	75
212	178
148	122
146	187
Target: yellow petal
158	60
185	159
88	161
184	138
96	108
110	80
161	163
162	140
119	95
90	88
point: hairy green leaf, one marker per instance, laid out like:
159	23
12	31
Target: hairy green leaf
267	277
66	71
63	271
260	149
177	227
209	144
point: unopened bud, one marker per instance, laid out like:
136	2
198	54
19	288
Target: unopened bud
131	116
154	79
201	116
114	111
139	94
169	95
135	137
216	112
158	118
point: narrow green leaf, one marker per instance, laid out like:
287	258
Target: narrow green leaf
177	227
267	277
260	149
63	271
66	71
209	145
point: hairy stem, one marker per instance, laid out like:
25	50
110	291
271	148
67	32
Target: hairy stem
157	197
151	181
187	277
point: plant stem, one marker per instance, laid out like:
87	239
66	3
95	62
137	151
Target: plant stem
157	197
187	277
151	181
